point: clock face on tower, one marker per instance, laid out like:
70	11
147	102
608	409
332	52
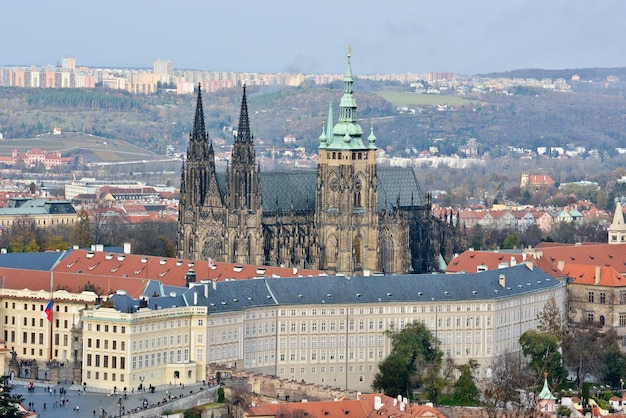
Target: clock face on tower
334	185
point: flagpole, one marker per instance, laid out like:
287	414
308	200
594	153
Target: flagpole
51	314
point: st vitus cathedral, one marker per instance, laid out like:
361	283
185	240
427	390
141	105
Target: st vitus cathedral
349	217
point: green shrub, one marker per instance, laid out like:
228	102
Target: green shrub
220	395
563	411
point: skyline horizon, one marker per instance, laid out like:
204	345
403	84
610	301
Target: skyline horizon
277	37
150	67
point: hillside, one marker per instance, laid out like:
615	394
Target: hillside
89	148
592	116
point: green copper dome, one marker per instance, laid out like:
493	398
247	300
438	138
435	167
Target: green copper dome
347	134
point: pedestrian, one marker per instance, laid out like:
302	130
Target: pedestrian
77	408
94	412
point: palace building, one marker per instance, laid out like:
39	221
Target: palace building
348	217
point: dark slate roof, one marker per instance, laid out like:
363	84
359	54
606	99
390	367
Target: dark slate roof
32	261
411	287
39	206
333	290
398	184
282	189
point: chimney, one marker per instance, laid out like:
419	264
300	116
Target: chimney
190	277
598	275
195	299
560	265
214	284
513	261
502	280
127	248
206	290
379	404
401	406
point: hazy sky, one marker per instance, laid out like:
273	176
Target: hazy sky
387	36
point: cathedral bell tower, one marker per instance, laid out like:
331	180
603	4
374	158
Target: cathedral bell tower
346	213
200	209
244	230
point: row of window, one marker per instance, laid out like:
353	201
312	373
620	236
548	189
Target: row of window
33	306
380	310
172	324
106	328
380	325
105	376
105	361
105	344
175	356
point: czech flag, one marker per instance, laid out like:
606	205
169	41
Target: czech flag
47	313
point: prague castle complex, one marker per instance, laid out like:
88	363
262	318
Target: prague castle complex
349	217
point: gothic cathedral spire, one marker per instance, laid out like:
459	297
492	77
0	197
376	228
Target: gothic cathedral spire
199	194
243	197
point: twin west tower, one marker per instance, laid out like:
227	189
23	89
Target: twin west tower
349	217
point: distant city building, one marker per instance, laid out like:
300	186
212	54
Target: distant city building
164	71
42	213
36	156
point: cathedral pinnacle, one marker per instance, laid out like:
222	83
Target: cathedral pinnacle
243	132
199	131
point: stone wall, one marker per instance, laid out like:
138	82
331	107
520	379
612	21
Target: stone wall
280	389
189	401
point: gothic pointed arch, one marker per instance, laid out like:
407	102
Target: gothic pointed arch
386	251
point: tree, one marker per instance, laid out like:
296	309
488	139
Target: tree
511	241
543	350
81	234
7	402
614	366
414	362
465	389
500	387
550	320
584	348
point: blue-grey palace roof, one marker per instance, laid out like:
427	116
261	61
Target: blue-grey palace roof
342	290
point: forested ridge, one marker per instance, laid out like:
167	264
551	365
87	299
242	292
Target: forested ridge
592	115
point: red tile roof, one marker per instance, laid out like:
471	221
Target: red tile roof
470	260
363	407
169	271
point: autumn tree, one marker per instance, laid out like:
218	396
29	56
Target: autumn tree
81	234
551	320
500	388
584	348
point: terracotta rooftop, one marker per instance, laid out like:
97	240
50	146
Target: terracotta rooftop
472	261
169	271
366	405
550	257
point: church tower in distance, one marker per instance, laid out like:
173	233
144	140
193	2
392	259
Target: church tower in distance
200	211
346	213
